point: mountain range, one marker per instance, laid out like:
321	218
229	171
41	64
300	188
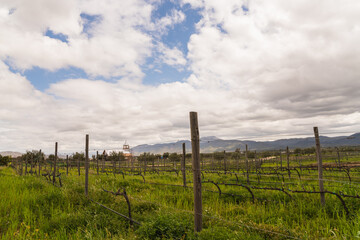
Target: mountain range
214	144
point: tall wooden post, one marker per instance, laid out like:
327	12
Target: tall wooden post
21	167
39	162
78	163
195	144
320	169
183	164
103	160
288	160
31	163
280	160
26	162
114	166
67	165
338	156
87	164
225	167
238	160
97	162
56	151
247	164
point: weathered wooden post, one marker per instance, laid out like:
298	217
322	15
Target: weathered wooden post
213	161
39	162
288	160
55	158
225	167
31	162
320	169
21	167
114	166
78	163
183	164
97	162
238	161
26	162
87	165
255	160
247	164
103	161
195	144
67	165
338	156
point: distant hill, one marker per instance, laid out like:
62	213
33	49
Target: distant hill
212	144
12	154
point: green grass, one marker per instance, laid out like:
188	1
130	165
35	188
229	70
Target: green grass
32	208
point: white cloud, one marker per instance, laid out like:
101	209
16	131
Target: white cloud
171	56
117	46
274	71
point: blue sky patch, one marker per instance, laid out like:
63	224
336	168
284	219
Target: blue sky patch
41	79
164	74
59	36
89	21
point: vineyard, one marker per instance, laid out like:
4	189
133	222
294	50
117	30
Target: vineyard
286	195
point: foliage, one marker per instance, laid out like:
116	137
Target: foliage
4	160
165	226
174	157
148	157
116	156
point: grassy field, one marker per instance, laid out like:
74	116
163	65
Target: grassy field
32	208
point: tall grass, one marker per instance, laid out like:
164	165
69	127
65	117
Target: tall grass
32	208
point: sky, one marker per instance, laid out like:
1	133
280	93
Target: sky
132	70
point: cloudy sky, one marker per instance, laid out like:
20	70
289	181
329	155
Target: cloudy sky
134	69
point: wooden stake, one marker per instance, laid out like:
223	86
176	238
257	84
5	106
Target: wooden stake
39	163
288	160
320	169
67	165
225	161
195	144
54	173
87	164
247	164
97	162
183	164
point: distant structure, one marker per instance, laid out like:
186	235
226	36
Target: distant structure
126	150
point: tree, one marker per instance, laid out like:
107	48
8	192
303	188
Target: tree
174	157
149	157
4	160
116	156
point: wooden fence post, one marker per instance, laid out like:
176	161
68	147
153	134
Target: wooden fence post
225	168
26	162
55	158
320	169
238	160
87	164
280	160
288	160
67	165
97	162
21	167
39	162
183	169
31	163
247	164
195	144
338	156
